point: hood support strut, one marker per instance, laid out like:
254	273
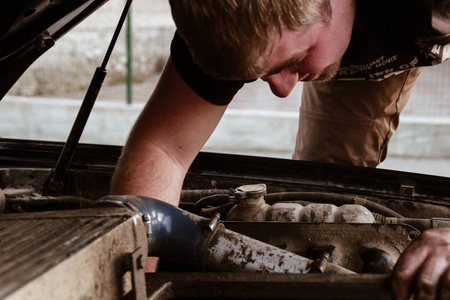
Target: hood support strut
56	182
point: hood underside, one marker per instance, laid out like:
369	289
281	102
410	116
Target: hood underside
28	28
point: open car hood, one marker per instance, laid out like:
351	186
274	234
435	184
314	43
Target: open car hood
29	28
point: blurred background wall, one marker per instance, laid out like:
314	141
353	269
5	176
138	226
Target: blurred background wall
44	102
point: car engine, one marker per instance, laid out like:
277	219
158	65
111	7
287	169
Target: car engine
241	219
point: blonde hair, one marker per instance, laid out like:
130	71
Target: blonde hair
227	38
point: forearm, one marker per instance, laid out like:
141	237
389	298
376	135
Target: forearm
149	172
169	133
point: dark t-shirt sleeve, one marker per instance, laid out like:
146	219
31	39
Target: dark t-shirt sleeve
217	92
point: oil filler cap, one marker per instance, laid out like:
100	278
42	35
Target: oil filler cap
250	191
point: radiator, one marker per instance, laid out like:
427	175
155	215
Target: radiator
79	254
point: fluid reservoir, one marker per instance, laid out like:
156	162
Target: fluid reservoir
251	205
311	213
319	213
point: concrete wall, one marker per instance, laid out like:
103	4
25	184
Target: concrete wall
240	131
81	50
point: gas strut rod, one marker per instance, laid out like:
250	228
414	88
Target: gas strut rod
56	182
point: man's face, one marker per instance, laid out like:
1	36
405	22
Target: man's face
314	53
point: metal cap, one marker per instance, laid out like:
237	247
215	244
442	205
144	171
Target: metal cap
250	191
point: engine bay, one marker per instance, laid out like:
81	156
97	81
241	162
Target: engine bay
356	219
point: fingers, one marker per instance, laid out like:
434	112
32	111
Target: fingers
424	268
429	277
405	270
444	289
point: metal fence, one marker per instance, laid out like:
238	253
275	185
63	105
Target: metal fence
68	67
431	95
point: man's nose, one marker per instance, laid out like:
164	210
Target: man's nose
282	83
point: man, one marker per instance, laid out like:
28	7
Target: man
359	61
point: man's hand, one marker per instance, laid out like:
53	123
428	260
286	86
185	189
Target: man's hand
424	267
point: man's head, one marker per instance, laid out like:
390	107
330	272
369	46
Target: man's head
228	38
280	41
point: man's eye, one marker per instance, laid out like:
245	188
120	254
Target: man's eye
274	72
298	62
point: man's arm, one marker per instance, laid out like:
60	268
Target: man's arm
171	130
424	267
